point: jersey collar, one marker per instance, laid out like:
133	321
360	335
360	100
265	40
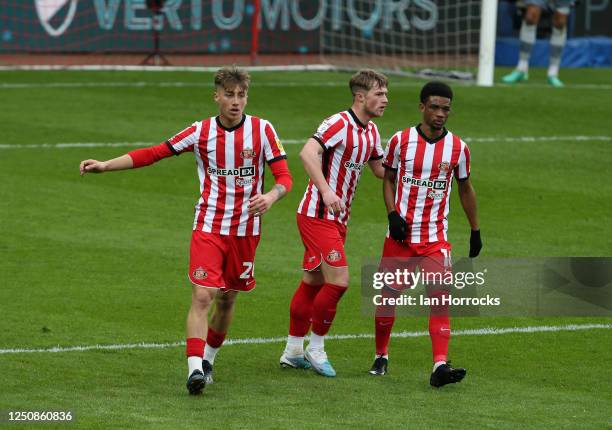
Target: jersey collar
359	123
236	127
429	140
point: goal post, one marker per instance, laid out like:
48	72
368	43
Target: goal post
447	38
486	57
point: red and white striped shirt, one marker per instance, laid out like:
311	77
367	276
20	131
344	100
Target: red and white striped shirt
230	170
425	171
348	145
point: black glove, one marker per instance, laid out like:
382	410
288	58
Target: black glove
475	243
397	226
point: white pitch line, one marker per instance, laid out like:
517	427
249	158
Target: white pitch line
416	82
258	341
197	69
536	138
280	84
143	84
568	86
179	84
506	139
74	145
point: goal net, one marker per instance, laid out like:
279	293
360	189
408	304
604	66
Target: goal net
405	36
392	35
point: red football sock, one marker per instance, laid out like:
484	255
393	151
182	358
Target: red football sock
383	322
300	311
324	307
214	339
195	347
383	326
439	329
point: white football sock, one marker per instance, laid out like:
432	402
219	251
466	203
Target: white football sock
438	364
210	353
194	363
523	65
316	341
527	37
557	42
295	345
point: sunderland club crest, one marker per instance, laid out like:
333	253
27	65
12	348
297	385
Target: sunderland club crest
444	166
248	154
199	274
334	256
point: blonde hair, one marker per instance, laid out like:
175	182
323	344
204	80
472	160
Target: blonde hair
365	80
228	77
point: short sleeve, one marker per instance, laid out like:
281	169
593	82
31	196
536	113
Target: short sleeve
273	148
462	170
330	132
391	156
185	139
377	150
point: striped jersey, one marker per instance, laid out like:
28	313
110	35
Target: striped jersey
347	146
425	170
231	169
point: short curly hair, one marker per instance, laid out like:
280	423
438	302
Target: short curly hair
435	88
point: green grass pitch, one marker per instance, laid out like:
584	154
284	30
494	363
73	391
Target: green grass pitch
102	259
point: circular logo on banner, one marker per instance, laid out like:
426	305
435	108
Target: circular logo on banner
48	9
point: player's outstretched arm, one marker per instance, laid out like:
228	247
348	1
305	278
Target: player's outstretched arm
311	159
138	158
467	195
94	166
